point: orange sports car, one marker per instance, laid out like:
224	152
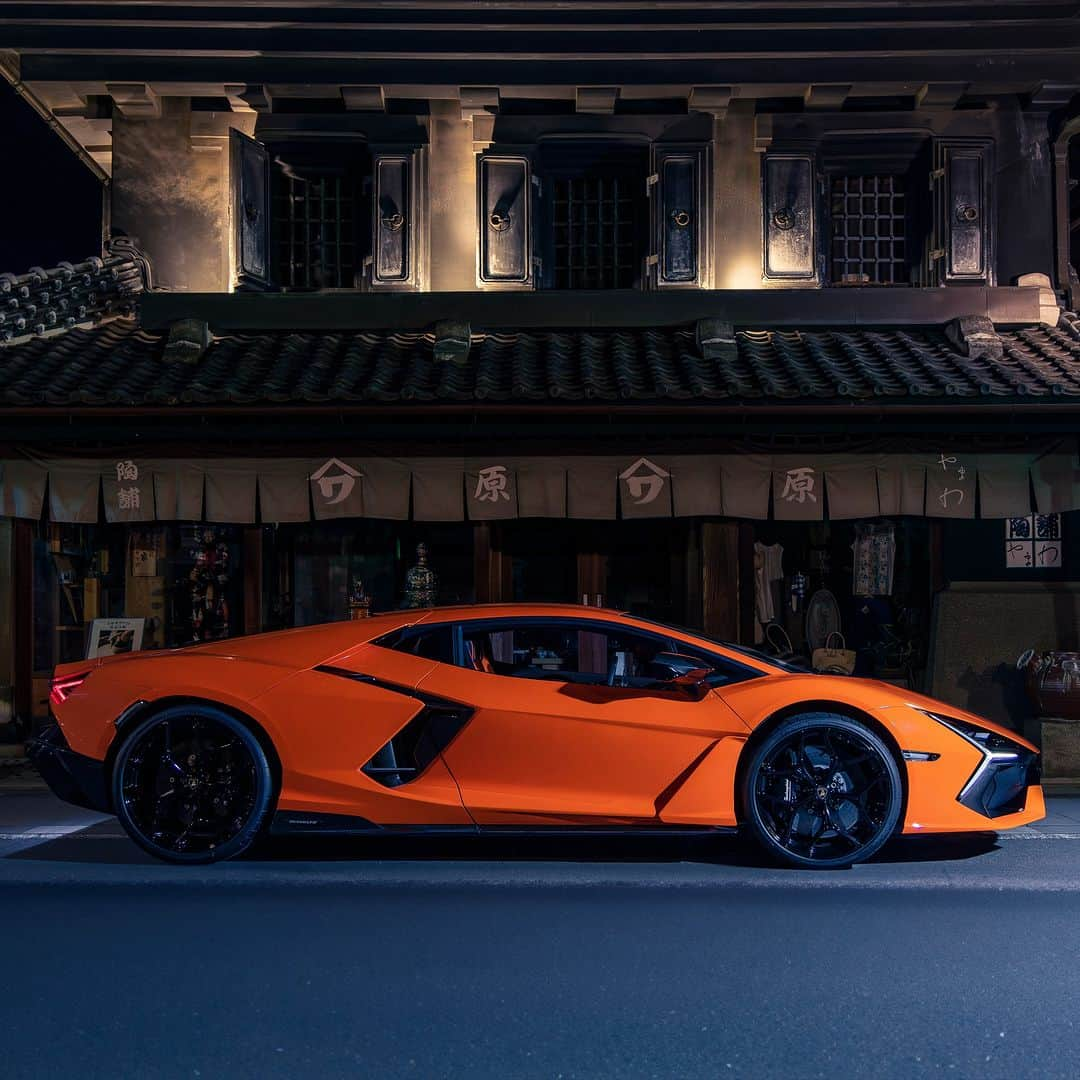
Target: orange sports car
521	717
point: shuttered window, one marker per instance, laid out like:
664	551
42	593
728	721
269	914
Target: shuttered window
596	227
868	229
315	225
596	217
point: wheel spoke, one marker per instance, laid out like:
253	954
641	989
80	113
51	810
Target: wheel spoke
836	799
189	785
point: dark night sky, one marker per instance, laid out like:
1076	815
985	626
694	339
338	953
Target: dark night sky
51	200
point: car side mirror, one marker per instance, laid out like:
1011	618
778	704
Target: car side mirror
684	674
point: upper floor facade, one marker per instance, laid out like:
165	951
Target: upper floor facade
606	146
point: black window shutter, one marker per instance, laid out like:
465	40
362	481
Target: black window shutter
395	226
960	183
790	228
679	214
250	166
505	211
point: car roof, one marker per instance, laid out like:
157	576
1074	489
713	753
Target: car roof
459	612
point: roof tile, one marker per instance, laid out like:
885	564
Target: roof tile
117	363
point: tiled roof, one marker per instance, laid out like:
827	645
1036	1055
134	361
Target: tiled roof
71	294
119	364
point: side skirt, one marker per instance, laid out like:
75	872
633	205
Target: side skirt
301	823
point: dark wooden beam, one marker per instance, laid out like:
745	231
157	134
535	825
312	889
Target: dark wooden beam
939	95
755	308
645	67
546	38
828	97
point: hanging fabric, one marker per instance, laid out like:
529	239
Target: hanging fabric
874	552
768	574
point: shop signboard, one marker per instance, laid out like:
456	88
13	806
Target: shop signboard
803	487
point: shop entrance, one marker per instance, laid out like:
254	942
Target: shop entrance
869	581
642	567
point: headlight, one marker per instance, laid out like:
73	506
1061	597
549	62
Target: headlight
999	784
991	741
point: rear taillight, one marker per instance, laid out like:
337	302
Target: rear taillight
63	686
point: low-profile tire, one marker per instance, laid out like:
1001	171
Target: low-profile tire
821	790
192	784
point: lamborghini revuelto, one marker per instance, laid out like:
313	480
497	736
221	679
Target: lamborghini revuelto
518	717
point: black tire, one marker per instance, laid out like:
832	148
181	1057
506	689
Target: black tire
192	784
823	791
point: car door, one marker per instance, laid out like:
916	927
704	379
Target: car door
365	743
550	741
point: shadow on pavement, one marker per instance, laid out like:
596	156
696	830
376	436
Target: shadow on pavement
104	845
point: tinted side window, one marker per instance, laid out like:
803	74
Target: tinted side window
724	671
528	651
434	644
590	653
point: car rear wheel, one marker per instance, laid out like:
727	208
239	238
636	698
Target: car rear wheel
192	784
822	791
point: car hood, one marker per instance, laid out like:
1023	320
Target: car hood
883	695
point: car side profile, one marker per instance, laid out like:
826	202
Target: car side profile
518	717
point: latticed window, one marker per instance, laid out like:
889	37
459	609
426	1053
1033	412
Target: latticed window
869	229
316	227
596	230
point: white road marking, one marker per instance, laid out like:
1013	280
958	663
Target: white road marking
55	834
1037	834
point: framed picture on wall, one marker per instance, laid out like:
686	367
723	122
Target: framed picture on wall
111	637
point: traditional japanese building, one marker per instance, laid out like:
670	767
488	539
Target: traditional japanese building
605	302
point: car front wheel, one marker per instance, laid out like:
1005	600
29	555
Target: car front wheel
822	790
192	784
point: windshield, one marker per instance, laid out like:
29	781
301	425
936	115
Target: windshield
745	650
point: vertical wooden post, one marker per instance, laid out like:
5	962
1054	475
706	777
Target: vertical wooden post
22	565
503	567
690	573
720	584
253	579
482	558
492	563
746	582
937	557
592	566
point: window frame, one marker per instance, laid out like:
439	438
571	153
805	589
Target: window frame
736	671
355	164
904	154
902	183
565	158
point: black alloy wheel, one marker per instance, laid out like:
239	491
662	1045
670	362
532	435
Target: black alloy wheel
822	791
192	784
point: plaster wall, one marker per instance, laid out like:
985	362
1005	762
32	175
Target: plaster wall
171	186
736	199
170	191
452	200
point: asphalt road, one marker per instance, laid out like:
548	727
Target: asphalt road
529	959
